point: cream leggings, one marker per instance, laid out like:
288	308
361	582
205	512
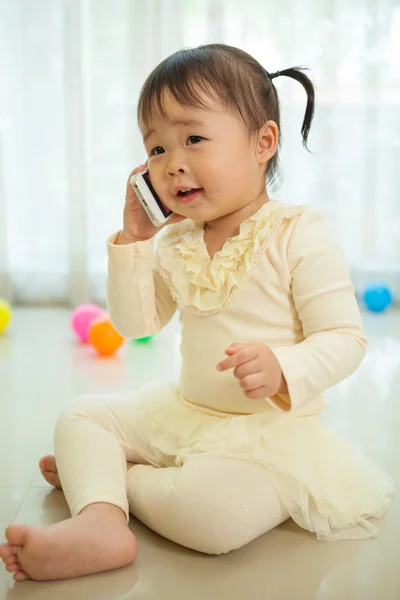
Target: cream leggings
209	504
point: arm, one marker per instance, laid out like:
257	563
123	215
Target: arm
138	300
323	295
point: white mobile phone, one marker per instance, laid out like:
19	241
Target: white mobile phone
157	212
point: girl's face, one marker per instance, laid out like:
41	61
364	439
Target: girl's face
210	153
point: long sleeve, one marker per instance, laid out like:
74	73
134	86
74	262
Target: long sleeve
324	299
138	300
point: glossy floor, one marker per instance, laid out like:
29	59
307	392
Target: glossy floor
42	368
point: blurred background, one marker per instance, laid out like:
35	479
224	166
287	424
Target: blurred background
71	71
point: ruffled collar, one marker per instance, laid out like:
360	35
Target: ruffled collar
204	285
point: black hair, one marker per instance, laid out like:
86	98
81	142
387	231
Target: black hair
230	76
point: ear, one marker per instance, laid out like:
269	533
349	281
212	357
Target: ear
267	142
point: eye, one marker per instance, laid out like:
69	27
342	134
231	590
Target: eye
157	150
194	139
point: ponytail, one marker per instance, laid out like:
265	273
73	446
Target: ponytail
297	74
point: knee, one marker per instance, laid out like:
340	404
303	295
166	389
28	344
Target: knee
75	407
214	513
202	526
80	408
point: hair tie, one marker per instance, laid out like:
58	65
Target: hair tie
273	75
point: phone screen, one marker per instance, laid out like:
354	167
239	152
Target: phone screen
165	211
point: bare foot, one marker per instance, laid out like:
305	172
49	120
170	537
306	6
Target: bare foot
49	470
97	540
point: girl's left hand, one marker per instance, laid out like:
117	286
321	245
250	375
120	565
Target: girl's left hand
257	368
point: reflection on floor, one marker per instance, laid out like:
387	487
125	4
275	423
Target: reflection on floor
42	368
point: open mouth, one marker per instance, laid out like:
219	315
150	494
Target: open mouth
188	195
188	191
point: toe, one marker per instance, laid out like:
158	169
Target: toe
52	478
7	550
48	463
20	575
17	534
13	567
10	559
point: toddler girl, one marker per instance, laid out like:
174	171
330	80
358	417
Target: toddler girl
269	321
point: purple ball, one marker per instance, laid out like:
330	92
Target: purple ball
81	319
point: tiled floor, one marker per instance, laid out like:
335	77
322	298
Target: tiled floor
41	368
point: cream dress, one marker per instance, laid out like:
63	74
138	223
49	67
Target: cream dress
282	281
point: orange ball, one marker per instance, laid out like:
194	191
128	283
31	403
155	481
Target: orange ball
103	336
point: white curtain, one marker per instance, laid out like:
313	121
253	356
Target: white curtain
70	74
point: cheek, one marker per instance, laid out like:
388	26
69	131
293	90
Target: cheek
231	173
157	177
161	185
230	161
214	170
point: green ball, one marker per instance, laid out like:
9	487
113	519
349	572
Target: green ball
143	340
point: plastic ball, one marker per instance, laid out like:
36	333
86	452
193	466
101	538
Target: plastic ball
103	336
377	297
81	319
5	314
142	340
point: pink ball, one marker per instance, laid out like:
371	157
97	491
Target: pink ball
81	319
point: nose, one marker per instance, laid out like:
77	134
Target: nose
176	165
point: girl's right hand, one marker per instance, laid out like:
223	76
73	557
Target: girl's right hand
137	226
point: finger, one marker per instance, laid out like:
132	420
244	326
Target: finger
248	368
252	382
233	348
244	355
258	393
137	170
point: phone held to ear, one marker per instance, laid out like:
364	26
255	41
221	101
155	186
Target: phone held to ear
157	212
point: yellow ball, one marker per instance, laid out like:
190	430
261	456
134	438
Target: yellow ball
5	314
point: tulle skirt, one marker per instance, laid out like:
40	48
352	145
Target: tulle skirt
326	486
